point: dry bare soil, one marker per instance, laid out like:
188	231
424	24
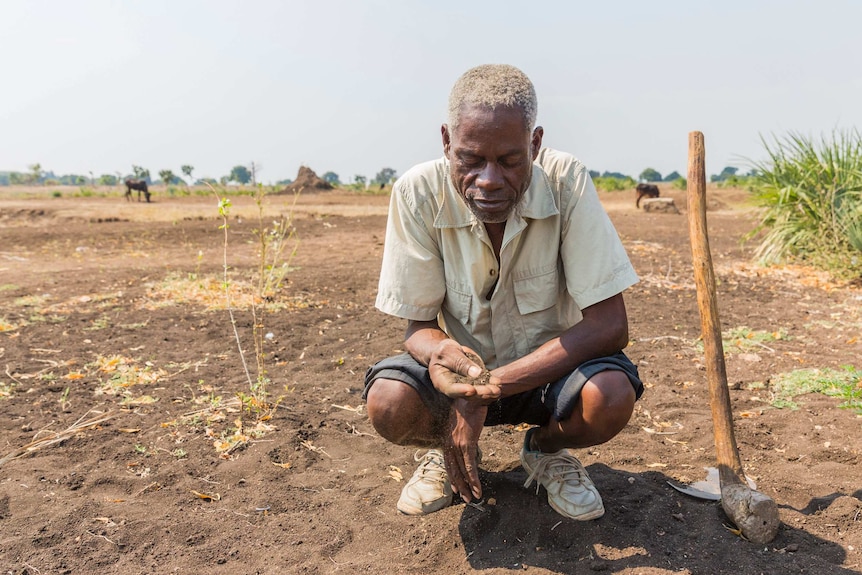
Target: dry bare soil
124	449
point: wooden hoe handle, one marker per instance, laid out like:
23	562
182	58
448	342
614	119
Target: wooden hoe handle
755	514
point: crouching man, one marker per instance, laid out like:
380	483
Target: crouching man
501	249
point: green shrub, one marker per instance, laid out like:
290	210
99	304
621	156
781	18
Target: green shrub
361	188
812	195
612	184
744	182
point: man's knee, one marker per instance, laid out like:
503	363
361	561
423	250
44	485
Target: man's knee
615	388
393	409
608	403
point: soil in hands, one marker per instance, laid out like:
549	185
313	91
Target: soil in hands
482	379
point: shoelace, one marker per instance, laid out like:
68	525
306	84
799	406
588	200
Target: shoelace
431	466
561	466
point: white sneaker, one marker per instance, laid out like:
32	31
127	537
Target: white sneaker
570	491
429	489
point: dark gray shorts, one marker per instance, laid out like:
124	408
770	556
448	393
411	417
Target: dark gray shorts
536	406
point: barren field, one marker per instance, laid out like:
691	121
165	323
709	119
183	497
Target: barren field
124	449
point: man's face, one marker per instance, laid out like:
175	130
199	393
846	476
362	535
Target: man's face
491	155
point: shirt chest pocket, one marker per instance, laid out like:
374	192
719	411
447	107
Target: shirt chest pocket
458	304
537	292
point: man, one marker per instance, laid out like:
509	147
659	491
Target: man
502	249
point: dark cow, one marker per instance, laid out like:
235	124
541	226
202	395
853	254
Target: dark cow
140	185
646	191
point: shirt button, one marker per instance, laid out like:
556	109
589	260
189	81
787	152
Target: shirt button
493	272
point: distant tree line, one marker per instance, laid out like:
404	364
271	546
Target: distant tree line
244	175
384	177
240	174
614	181
729	178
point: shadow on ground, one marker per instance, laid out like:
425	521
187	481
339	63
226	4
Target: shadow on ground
639	527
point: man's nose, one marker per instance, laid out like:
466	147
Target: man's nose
491	176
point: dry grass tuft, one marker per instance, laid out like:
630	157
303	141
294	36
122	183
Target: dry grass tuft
208	291
45	437
124	374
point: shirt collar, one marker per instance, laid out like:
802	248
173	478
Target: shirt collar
538	201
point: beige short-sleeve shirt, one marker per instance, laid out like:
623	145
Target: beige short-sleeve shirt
560	254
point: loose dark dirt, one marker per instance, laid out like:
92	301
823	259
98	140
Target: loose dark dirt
482	379
178	480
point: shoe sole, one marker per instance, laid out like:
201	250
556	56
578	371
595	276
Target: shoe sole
595	514
406	510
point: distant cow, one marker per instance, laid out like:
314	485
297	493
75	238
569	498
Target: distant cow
645	191
140	185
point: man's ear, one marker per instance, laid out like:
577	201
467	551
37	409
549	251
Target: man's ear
536	141
444	132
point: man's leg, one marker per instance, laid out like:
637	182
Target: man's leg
400	416
592	414
604	408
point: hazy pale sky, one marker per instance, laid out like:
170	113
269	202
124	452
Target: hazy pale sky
352	86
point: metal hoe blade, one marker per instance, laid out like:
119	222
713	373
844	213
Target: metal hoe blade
709	489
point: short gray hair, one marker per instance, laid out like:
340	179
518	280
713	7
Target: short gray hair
493	86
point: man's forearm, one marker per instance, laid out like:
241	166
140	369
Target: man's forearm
421	338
